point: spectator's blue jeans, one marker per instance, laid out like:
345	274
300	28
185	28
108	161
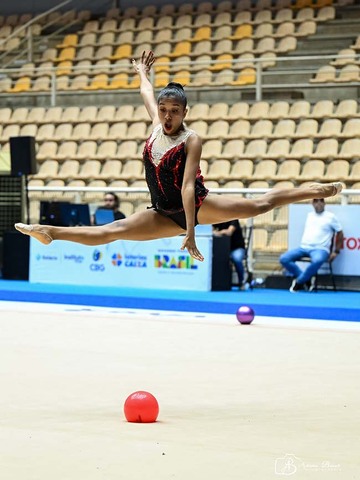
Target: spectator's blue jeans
237	257
317	256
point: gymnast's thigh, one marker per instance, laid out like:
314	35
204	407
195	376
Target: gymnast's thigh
145	225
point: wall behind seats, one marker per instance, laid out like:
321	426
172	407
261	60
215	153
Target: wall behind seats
96	6
39	6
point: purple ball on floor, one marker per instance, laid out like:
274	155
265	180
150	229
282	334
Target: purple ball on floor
245	315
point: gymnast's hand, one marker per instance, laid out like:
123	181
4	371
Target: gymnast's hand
145	63
190	245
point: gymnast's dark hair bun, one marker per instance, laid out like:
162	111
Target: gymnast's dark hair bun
175	85
173	90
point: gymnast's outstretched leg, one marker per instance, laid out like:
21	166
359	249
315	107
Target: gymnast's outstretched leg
223	208
146	225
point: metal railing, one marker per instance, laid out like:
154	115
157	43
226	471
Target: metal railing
247	192
29	36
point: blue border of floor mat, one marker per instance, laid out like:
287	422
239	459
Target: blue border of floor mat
327	305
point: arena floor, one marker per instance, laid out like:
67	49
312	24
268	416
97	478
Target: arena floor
277	398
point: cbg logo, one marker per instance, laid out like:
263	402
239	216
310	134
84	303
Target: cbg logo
97	255
97	267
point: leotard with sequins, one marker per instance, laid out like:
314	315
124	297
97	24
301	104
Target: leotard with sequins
165	160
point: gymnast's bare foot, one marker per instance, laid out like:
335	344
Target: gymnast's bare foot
324	190
40	232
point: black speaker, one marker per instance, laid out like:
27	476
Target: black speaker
23	156
16	247
221	266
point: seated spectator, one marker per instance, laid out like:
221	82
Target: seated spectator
320	227
111	203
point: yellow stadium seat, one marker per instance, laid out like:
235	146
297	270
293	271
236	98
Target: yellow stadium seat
67	53
242	31
120	80
122	51
202	33
23	84
161	79
221	62
247	76
162	64
134	82
70	40
182	77
99	82
181	48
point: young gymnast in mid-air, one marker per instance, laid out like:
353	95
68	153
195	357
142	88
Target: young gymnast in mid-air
179	198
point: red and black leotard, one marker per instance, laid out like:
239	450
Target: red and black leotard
165	159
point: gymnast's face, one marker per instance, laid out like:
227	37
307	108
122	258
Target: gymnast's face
171	114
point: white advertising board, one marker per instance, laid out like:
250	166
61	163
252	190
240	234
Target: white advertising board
151	264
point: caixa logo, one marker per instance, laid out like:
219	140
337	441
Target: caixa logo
351	243
97	267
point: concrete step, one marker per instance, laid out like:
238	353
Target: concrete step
339	27
279	76
320	45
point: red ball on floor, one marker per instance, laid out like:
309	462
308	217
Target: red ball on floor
141	407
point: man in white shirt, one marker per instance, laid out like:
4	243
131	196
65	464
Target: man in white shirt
316	242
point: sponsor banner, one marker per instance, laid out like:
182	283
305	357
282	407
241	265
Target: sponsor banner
348	262
151	264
